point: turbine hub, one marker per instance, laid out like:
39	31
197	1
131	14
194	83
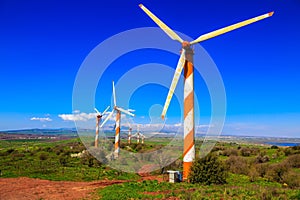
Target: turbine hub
186	45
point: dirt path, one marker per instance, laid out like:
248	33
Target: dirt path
31	189
144	172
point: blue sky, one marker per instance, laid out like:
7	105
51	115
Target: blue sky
43	44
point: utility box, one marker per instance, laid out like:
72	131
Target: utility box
174	176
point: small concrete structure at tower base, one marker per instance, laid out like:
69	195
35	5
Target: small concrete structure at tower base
174	176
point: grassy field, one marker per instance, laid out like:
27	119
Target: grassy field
254	171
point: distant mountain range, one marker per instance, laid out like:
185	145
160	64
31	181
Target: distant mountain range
72	132
36	131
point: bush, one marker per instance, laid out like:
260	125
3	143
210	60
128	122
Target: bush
245	151
276	172
253	174
217	148
237	165
262	169
43	156
208	170
9	151
296	147
262	159
287	152
63	161
274	147
292	179
230	152
293	161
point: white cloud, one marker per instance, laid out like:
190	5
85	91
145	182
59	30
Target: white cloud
205	126
177	125
76	116
41	119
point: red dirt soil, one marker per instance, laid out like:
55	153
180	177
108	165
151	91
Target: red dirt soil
30	188
144	172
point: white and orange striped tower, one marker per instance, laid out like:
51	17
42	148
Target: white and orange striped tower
189	122
118	121
143	138
186	62
117	136
97	130
138	138
129	135
98	119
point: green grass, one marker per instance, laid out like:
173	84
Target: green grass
235	189
24	158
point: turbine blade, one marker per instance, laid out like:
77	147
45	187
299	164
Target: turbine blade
114	94
230	28
125	111
130	110
105	110
107	118
97	111
174	83
162	25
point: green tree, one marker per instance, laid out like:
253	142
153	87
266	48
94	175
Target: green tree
208	170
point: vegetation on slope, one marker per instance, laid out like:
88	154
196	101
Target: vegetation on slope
253	172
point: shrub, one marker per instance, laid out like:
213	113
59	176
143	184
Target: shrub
292	179
230	152
296	147
276	172
253	174
43	156
208	170
63	161
237	165
262	159
274	147
217	148
293	161
9	151
245	151
262	169
48	149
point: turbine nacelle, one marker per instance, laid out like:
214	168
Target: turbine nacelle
100	115
186	45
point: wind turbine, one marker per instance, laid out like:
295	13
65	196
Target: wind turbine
129	133
118	111
140	135
137	135
143	137
98	119
186	62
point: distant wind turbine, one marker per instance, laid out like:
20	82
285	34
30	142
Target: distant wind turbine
118	111
98	119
